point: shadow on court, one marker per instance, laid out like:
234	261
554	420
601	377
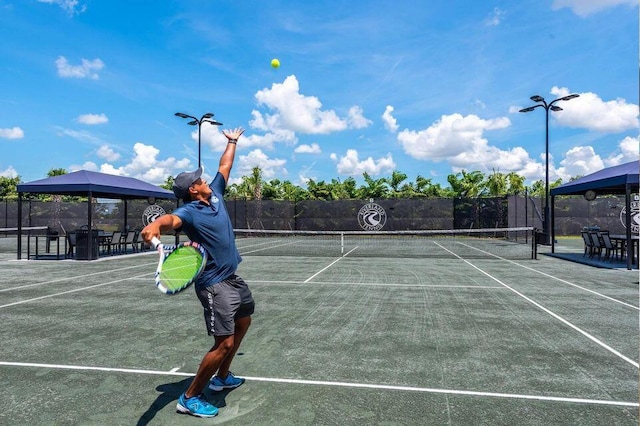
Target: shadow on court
170	392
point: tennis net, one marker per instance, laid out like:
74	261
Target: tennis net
510	243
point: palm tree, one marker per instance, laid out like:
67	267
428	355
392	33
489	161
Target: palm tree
318	190
394	182
272	190
497	183
537	189
428	189
293	192
466	184
375	188
168	183
255	182
8	187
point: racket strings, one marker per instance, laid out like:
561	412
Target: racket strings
180	268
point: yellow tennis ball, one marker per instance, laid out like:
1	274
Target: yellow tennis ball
275	63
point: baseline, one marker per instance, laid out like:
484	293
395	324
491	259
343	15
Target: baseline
175	372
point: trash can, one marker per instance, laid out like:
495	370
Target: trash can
82	244
542	238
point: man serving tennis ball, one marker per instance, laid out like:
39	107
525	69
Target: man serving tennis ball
225	297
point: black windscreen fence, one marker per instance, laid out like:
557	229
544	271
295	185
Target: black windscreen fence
571	214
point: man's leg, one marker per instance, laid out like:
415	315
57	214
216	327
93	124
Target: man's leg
210	363
241	327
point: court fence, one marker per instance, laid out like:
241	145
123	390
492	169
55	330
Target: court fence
572	214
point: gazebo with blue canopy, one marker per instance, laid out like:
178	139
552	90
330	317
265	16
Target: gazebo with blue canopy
615	180
92	185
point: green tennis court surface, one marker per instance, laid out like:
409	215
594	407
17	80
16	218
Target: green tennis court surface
439	339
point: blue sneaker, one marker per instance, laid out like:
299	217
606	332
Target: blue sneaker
196	406
230	382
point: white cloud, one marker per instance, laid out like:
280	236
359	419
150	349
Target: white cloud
271	167
268	140
390	122
451	136
144	165
587	7
107	153
80	135
72	7
89	165
213	138
479	104
356	118
351	165
579	161
314	148
629	151
583	160
86	70
144	157
9	172
294	111
91	119
12	133
589	111
460	141
495	18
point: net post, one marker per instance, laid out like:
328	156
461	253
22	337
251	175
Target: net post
342	243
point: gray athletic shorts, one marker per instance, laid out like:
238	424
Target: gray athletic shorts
223	303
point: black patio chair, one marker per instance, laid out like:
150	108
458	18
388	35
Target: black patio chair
588	244
71	245
597	244
611	249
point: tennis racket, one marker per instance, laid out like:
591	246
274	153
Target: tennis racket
179	266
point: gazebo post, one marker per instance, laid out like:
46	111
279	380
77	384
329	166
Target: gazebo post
553	224
89	227
627	219
19	225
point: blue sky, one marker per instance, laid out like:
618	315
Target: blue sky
425	88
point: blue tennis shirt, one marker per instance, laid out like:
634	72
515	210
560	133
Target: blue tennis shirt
210	226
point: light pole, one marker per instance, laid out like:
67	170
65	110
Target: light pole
206	118
547	106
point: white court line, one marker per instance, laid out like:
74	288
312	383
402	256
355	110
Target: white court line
338	283
557	279
175	372
77	277
356	284
71	291
268	248
107	258
328	266
556	316
363	284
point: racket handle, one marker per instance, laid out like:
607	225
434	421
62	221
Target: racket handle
155	242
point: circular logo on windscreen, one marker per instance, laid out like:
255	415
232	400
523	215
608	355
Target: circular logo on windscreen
151	213
635	215
372	217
